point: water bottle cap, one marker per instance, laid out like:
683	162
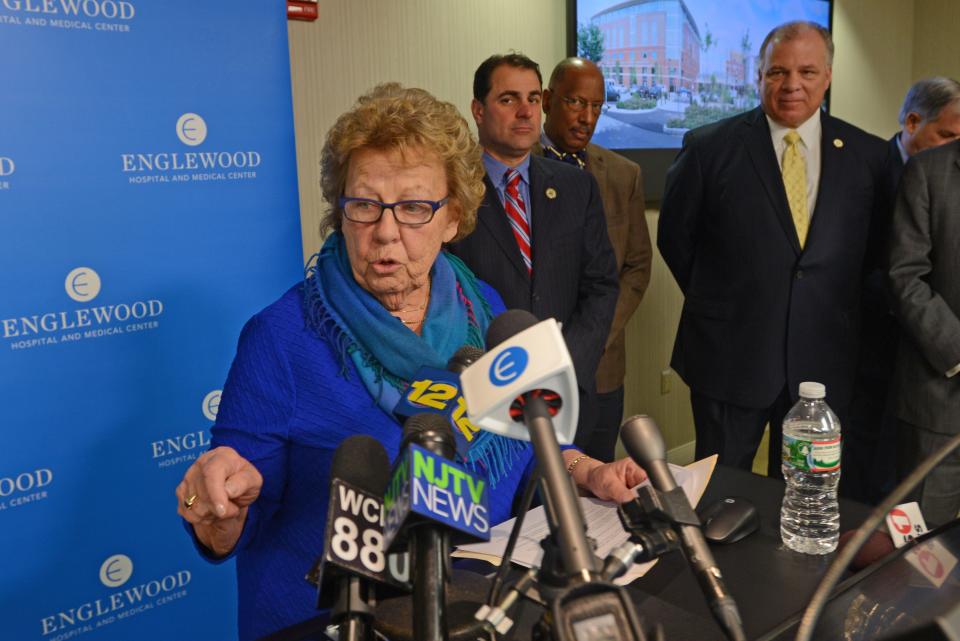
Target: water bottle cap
813	390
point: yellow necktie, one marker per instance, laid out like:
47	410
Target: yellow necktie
795	182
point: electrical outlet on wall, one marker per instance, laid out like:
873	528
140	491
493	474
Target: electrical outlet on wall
666	382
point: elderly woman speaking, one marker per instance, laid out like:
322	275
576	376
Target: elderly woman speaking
402	175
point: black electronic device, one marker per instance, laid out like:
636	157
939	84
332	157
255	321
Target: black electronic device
729	520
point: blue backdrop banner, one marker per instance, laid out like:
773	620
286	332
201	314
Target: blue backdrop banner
148	204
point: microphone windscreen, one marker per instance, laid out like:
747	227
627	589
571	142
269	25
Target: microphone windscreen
877	546
431	431
361	461
464	358
642	439
508	324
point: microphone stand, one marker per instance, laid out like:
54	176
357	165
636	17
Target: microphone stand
560	502
352	610
430	560
580	604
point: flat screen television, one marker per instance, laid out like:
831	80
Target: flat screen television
673	65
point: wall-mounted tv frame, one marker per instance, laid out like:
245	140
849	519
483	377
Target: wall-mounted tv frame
671	65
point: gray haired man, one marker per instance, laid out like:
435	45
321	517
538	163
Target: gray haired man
929	117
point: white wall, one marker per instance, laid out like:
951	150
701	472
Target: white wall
433	44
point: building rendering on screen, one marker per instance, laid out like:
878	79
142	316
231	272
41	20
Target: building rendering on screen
650	43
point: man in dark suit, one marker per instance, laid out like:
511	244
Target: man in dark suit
541	240
572	105
925	280
764	224
929	117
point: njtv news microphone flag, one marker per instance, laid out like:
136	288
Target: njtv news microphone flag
148	207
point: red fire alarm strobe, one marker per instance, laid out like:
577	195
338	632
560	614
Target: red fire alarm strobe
301	10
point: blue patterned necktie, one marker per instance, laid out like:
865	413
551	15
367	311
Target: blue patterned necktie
577	159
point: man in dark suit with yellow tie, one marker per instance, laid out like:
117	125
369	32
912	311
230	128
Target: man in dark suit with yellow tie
764	224
572	105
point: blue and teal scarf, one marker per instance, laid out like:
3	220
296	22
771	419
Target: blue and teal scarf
386	353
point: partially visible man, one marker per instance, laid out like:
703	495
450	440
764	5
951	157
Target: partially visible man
929	117
541	239
925	280
572	105
764	224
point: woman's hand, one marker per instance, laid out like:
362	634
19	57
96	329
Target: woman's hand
606	481
214	496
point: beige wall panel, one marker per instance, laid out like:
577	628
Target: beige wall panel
650	335
936	38
433	44
872	69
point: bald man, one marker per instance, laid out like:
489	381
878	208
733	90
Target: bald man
572	104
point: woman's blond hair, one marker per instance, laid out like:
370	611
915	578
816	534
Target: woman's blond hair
392	117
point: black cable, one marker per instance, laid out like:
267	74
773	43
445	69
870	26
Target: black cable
819	599
504	568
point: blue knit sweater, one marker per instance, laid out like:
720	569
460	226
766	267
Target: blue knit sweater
285	407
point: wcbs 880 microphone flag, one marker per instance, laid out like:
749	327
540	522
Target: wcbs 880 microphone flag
353	538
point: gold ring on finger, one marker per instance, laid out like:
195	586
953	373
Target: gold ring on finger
189	501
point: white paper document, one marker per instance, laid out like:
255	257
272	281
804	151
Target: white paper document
603	525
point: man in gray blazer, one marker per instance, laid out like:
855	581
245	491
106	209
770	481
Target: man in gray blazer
925	281
929	117
572	106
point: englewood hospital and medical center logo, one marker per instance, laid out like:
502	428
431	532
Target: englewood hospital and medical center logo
81	15
202	165
186	447
57	327
127	598
22	488
7	167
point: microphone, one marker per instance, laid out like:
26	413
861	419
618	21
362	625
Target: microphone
437	391
497	385
643	441
353	553
428	496
507	388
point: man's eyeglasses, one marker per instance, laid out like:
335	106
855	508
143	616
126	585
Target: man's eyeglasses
577	105
406	212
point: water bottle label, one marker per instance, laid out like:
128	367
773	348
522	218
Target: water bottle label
811	456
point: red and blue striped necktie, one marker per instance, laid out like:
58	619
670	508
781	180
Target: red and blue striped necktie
517	215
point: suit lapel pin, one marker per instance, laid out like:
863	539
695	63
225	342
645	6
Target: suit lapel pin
837	143
551	193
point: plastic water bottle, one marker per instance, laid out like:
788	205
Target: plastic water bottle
810	516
